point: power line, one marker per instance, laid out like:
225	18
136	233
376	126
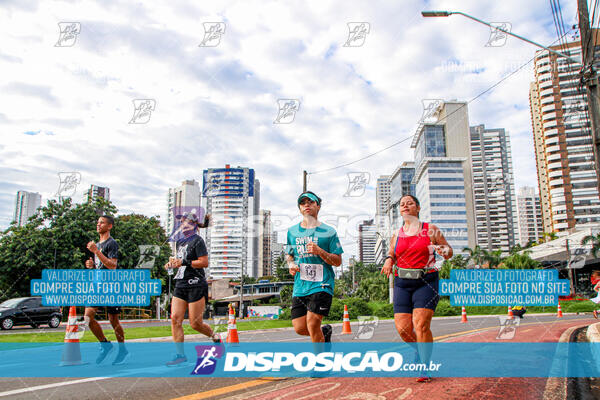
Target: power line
441	119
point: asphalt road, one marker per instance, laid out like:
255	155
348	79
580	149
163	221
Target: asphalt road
168	388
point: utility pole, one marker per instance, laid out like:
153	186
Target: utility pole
590	78
304	174
569	269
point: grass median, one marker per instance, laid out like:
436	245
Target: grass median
54	335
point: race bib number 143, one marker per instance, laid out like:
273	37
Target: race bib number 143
311	272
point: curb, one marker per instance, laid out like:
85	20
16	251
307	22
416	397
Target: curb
593	336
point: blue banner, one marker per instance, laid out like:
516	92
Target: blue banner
305	359
503	287
95	287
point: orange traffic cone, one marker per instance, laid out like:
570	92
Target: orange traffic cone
510	313
232	334
346	325
559	312
71	353
464	315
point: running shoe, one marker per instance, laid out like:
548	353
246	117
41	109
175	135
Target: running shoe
595	312
423	379
177	360
105	349
327	331
122	356
217	340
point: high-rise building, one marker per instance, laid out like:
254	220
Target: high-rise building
232	197
277	250
400	184
493	189
367	238
264	243
443	173
531	228
26	205
185	198
382	194
95	192
567	177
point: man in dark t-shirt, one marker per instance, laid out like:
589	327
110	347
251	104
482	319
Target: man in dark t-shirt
191	288
106	253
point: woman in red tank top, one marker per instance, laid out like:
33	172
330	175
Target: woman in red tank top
412	250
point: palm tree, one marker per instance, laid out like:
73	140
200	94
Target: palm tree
594	241
548	236
521	261
494	258
476	254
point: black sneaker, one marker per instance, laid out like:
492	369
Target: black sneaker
217	340
327	331
122	356
105	349
177	360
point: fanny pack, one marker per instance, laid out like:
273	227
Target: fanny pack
410	273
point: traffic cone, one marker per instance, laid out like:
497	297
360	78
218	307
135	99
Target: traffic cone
232	334
464	315
71	353
346	325
559	312
510	313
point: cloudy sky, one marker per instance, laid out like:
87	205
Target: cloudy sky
67	107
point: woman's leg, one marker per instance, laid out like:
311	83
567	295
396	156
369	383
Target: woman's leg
178	307
422	323
196	310
404	326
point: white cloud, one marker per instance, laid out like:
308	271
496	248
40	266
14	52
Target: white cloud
217	105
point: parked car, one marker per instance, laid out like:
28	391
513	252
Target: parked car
28	311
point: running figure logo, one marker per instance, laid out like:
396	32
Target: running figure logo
357	34
578	257
142	110
148	254
68	183
212	34
287	111
574	110
207	359
508	327
68	34
366	327
497	37
430	110
357	183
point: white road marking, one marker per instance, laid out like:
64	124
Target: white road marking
51	385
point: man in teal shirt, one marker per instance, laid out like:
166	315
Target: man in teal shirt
313	248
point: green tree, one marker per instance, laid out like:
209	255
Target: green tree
373	286
57	238
476	254
521	260
456	262
282	272
494	258
286	294
594	241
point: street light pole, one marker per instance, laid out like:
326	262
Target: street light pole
428	14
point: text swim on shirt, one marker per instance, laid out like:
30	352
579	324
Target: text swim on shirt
315	274
190	249
110	249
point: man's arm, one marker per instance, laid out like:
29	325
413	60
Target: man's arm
110	263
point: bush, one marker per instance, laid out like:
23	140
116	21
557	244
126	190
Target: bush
286	314
445	309
386	311
356	307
